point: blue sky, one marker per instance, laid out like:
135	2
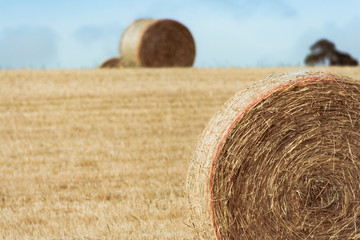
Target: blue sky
228	33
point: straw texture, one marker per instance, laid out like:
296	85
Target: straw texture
157	43
281	160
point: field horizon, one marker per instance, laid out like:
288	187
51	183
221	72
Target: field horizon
103	154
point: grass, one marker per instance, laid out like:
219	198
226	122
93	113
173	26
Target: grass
103	154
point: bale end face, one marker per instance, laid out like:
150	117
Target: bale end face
281	160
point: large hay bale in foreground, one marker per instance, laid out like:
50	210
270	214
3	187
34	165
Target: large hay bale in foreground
157	43
281	160
114	62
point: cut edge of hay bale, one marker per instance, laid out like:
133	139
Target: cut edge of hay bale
201	176
130	41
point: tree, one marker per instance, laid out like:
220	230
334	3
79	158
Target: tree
324	51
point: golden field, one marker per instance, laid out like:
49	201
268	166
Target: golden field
103	154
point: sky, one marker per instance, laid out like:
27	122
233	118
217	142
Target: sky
67	34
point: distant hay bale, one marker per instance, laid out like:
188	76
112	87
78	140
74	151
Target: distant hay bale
114	62
157	43
281	160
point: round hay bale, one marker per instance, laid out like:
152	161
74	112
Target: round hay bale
114	62
281	160
157	43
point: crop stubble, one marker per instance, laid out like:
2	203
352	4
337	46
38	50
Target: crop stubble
97	154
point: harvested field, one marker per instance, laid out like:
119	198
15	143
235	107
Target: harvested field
103	154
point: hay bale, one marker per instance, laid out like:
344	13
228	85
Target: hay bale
114	62
281	160
157	43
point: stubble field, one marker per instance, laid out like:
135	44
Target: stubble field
103	154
